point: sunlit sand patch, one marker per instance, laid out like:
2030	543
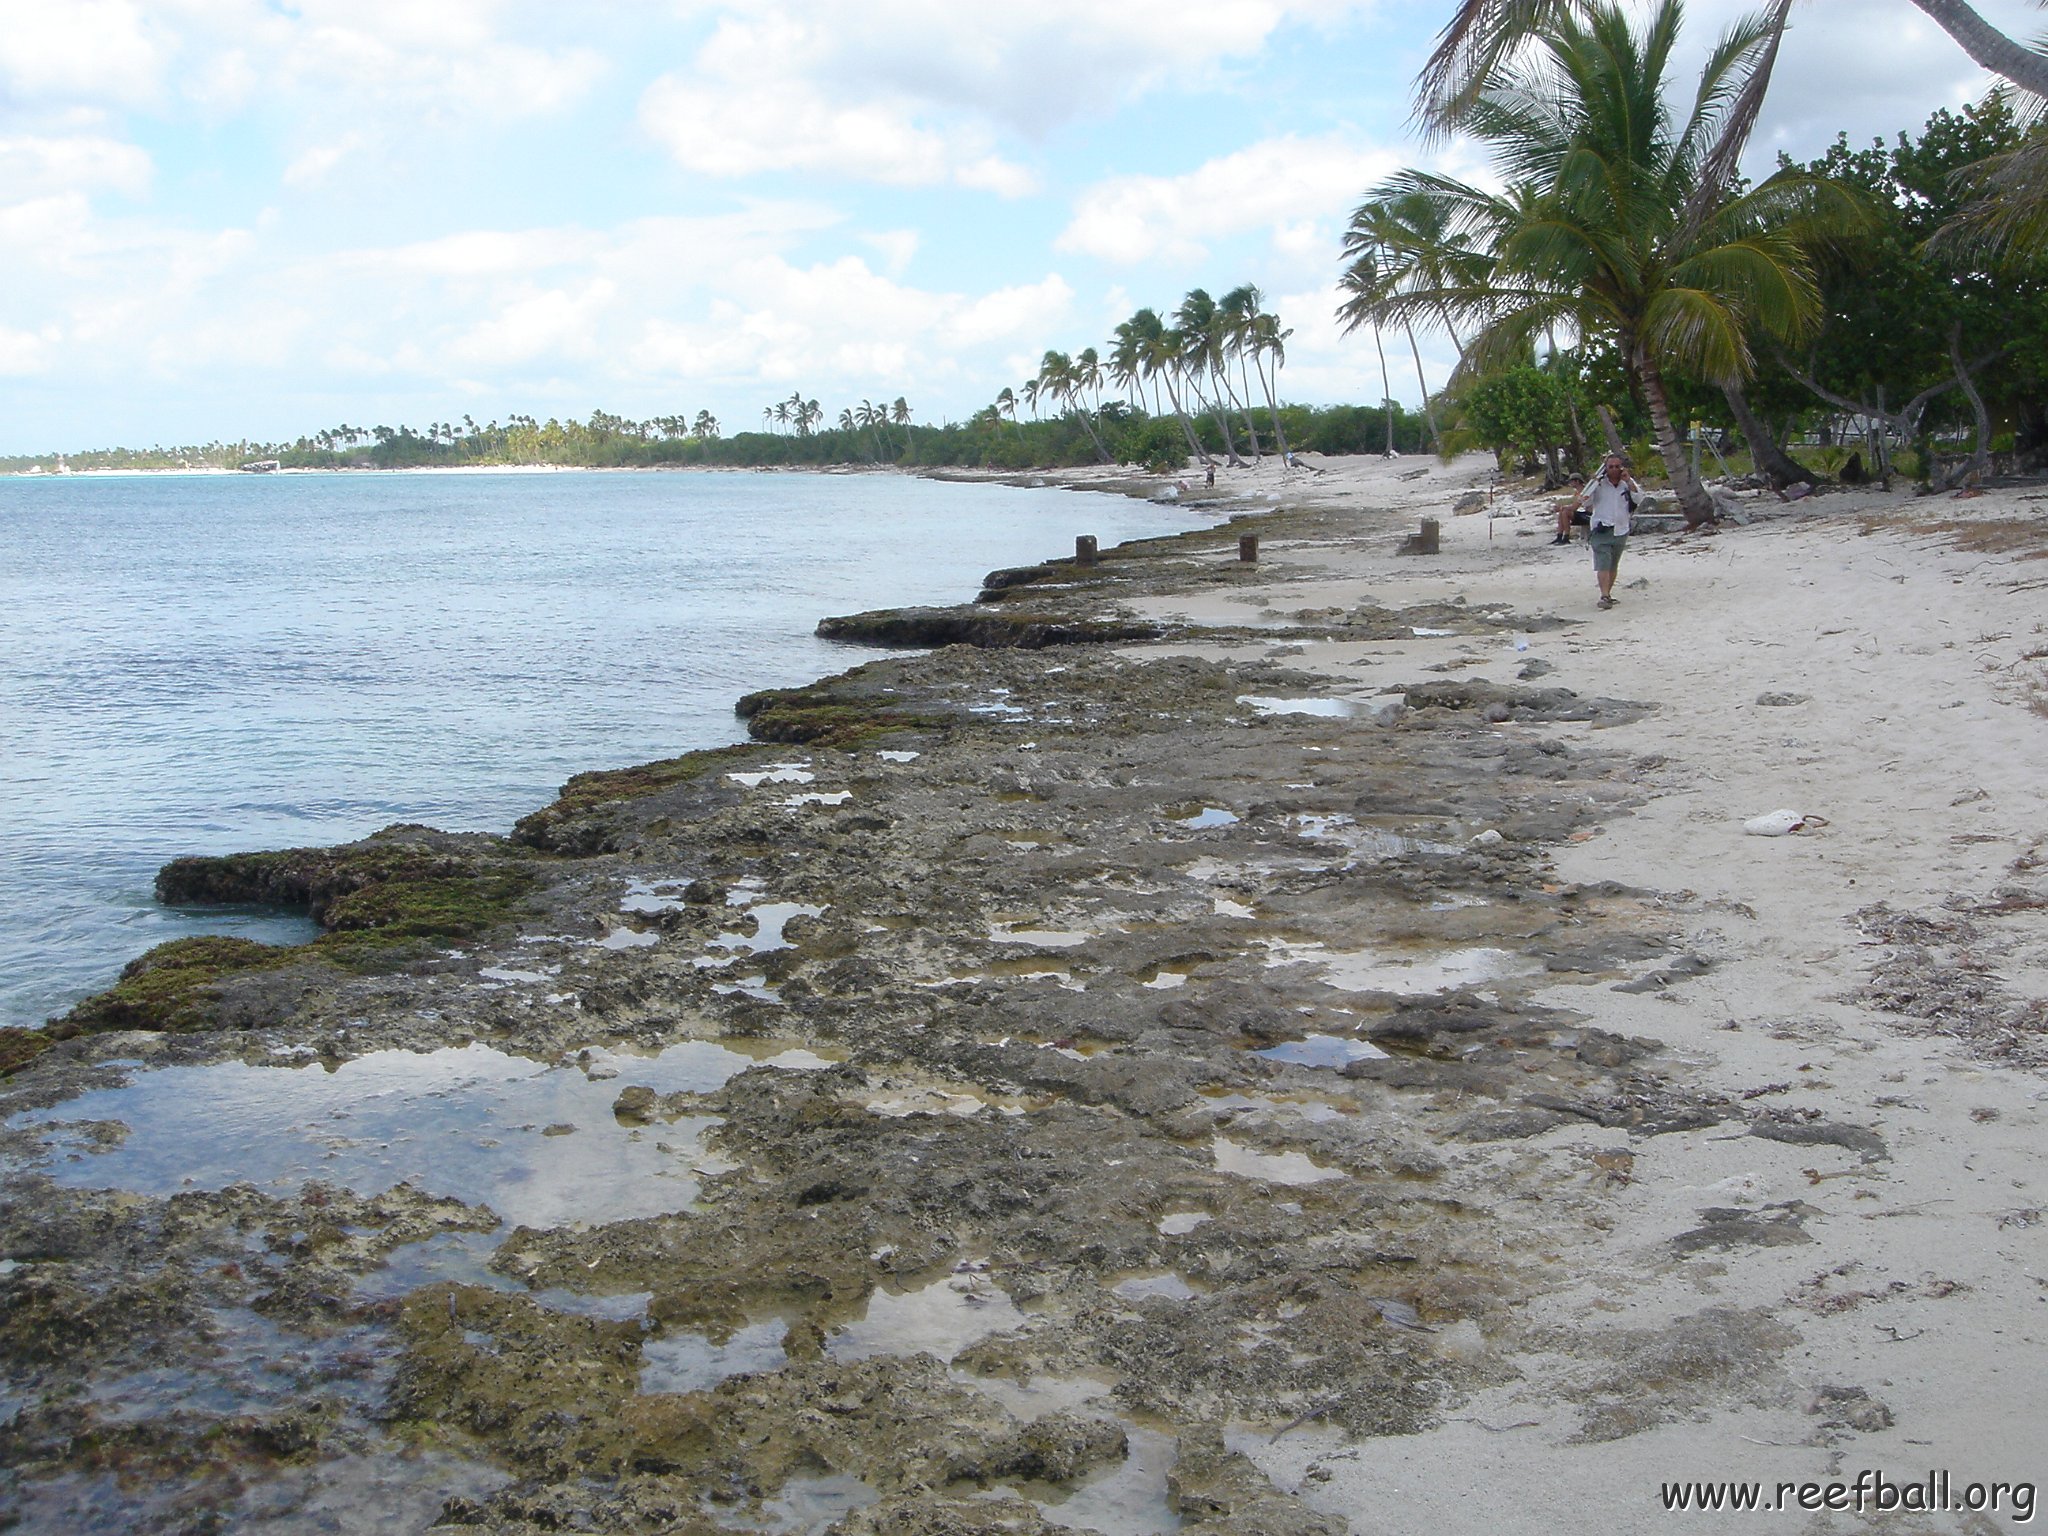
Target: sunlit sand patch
1273	1167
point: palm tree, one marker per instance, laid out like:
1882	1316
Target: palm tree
1484	35
1006	405
1362	281
1199	327
899	414
1600	229
706	425
1411	248
1264	338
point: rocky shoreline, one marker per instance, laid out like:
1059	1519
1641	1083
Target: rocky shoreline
1141	1050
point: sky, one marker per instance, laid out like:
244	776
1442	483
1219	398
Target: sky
253	219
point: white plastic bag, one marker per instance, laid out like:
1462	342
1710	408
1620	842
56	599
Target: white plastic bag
1780	823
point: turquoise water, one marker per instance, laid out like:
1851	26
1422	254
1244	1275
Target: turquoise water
211	663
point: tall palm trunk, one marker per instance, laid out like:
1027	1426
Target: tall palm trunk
1223	422
1436	442
1273	410
1386	389
1987	45
1693	500
1770	459
1244	377
1187	428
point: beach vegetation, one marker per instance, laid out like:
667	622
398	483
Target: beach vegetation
1600	229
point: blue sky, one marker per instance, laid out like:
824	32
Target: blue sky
231	217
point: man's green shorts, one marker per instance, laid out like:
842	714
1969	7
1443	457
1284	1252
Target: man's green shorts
1607	548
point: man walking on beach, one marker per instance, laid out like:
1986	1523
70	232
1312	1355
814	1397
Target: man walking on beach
1610	498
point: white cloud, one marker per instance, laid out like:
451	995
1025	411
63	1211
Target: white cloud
734	127
921	92
1297	188
312	165
27	352
71	49
31	166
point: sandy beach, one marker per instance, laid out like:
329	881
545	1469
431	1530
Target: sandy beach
1315	1051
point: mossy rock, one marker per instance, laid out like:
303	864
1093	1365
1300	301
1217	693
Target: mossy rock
324	879
607	786
981	628
387	902
170	988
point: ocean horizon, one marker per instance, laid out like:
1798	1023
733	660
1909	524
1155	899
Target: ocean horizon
212	662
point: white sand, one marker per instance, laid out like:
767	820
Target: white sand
1914	658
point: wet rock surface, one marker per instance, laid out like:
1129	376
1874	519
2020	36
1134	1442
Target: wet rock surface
1111	1062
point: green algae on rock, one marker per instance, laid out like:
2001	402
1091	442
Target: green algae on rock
385	902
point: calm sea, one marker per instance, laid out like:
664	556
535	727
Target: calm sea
212	663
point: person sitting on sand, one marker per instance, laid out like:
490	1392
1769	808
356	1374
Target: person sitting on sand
1610	501
1569	513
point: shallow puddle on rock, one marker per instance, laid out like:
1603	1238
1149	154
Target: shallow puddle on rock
818	797
775	773
1368	970
391	1489
1208	816
510	976
651	896
1328	709
1268	1106
1274	1167
691	1362
1042	1394
941	1319
808	1504
1166	981
770	918
1155	1282
1040	938
467	1122
1130	1499
628	938
888	756
1322	1051
900	1104
1223	906
1180	1223
1366	843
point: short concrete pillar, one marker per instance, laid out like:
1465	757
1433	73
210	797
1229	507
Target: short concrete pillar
1084	549
1425	542
1248	548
